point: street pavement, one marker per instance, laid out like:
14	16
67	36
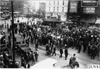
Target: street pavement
82	58
61	61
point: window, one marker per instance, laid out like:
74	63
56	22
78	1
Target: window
49	9
54	2
54	9
63	2
62	9
58	3
57	8
49	2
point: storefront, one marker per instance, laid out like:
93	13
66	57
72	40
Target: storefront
89	11
59	15
62	16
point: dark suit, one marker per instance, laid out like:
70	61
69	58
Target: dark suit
66	54
61	52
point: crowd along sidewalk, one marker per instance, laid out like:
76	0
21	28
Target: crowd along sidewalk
61	62
81	57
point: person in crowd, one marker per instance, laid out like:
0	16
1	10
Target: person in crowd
61	52
36	44
66	53
54	50
47	49
28	65
93	52
24	35
23	63
72	59
79	46
33	58
89	49
16	64
36	55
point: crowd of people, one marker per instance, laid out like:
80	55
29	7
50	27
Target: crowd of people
26	55
76	37
60	37
21	49
53	39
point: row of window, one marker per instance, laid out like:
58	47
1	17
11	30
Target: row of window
4	3
58	2
5	8
57	9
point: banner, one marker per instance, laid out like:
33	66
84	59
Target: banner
73	6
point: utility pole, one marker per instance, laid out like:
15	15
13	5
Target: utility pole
13	40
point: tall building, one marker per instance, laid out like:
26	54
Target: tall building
57	8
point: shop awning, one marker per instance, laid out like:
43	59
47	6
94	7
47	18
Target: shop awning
97	21
88	20
52	20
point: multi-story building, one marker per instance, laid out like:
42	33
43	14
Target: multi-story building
57	8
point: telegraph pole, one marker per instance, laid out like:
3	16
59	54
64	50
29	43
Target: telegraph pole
13	41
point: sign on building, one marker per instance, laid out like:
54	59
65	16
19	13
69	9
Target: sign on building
89	10
89	3
73	6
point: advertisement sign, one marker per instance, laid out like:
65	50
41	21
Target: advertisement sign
89	3
89	10
73	6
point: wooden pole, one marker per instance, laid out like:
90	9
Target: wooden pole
13	41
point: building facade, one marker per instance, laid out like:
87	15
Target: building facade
84	11
57	8
89	9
